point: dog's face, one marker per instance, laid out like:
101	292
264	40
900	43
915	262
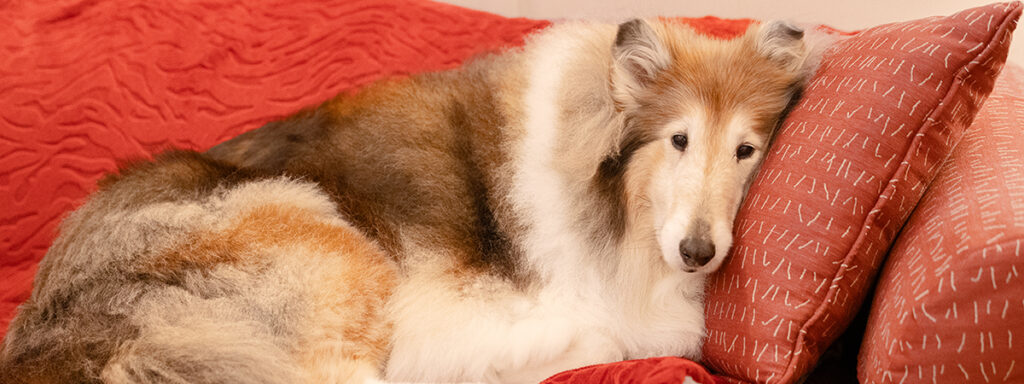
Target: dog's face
699	117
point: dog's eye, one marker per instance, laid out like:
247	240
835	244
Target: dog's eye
679	141
744	151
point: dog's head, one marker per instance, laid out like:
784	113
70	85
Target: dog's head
699	115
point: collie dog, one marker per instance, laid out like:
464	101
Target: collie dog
533	211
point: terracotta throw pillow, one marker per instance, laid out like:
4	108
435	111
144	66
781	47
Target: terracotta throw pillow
948	303
849	165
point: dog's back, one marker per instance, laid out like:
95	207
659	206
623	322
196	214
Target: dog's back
188	270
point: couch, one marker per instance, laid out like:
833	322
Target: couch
87	85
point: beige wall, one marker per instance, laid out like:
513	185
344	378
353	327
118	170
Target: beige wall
839	14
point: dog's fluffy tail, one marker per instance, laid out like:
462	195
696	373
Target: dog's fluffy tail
201	352
188	350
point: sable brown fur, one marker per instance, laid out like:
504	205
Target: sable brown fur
412	152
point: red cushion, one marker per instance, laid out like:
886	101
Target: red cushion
843	175
663	370
948	304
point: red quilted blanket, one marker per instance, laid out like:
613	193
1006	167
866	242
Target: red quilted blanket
85	84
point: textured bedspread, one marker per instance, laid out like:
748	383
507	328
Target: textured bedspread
85	85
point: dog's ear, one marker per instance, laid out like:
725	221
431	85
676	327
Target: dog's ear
638	56
783	43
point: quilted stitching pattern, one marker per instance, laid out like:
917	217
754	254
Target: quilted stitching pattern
846	170
85	84
949	301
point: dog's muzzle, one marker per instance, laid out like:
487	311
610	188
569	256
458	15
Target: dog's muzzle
696	248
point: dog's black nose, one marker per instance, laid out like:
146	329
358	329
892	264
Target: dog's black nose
697	249
696	252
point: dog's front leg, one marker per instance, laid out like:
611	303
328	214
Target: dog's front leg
585	348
